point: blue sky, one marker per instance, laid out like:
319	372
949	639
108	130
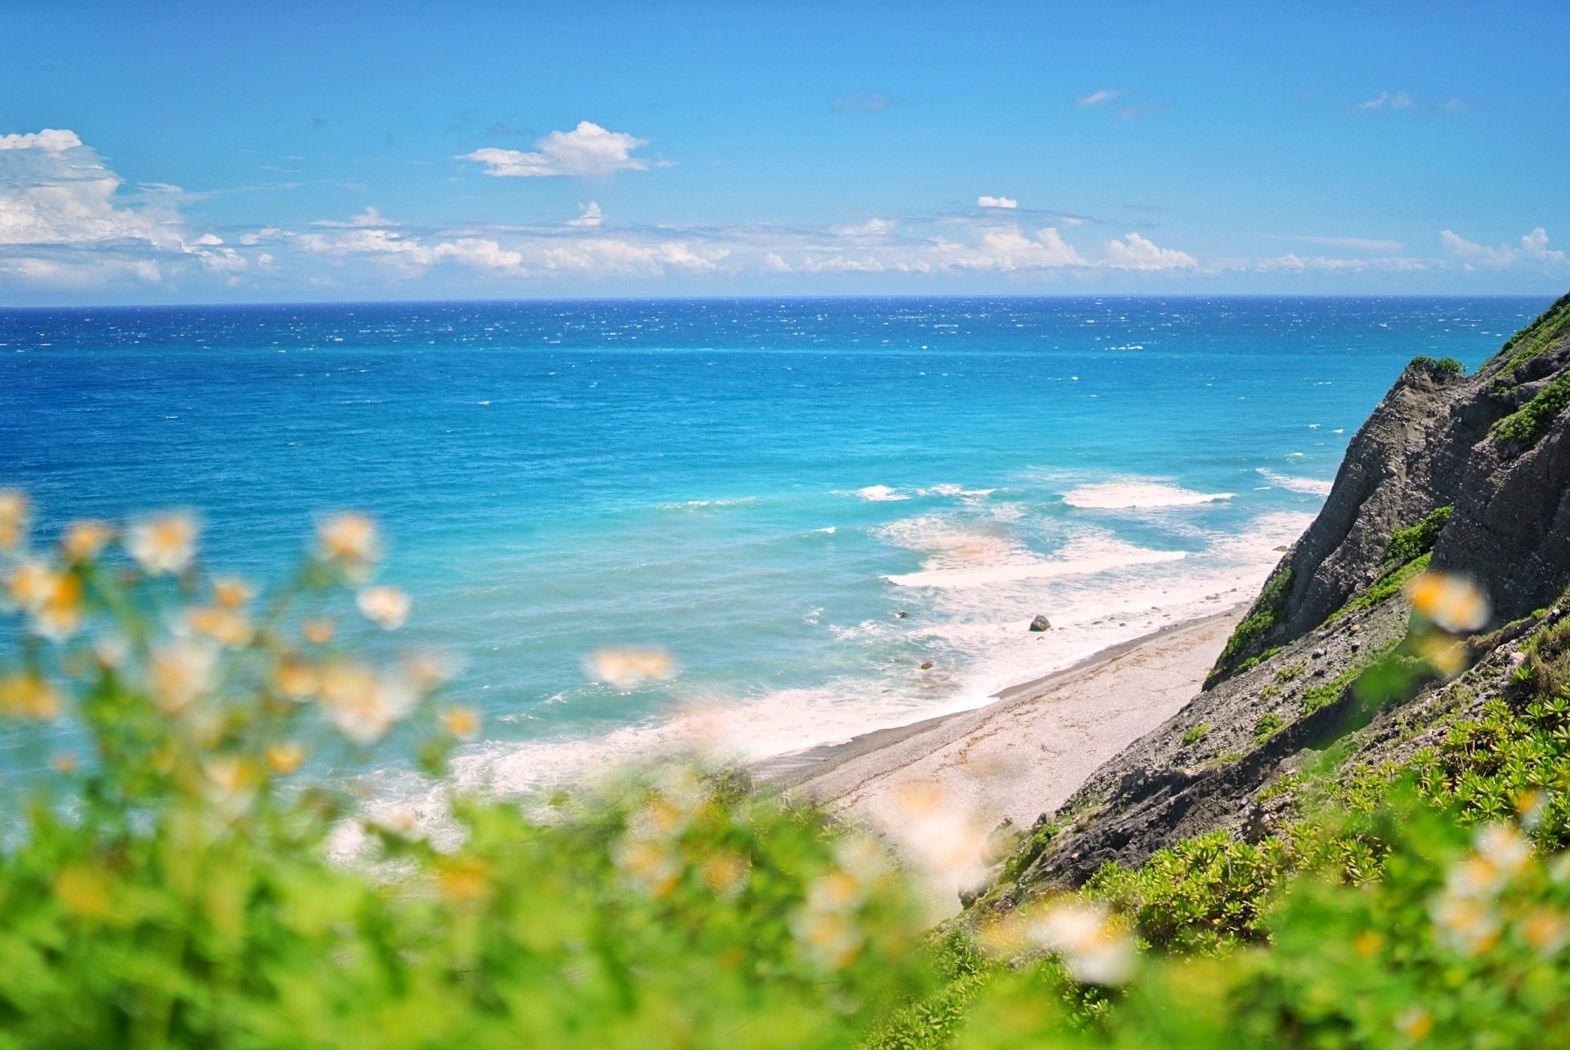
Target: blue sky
238	152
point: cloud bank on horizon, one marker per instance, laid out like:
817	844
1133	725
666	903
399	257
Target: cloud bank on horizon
771	157
64	224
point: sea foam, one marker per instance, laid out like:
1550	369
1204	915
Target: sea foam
1307	486
1137	495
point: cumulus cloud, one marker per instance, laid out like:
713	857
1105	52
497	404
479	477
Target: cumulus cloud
1008	249
588	215
1535	246
871	228
375	238
1134	252
1099	97
1534	249
55	191
587	149
997	202
1477	254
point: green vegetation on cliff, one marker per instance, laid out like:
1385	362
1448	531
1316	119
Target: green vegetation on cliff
1267	613
1531	421
1536	337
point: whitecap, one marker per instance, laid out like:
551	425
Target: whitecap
1137	495
880	494
1037	570
1309	486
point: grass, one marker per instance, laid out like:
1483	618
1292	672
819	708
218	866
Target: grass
1531	421
1290	672
1269	725
1195	734
1387	585
1415	540
1536	337
1267	613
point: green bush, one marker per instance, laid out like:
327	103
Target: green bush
1267	613
1538	336
1408	543
1438	366
1531	421
169	884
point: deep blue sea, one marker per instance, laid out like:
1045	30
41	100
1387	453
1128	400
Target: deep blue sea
801	501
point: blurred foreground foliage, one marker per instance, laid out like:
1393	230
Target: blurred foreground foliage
166	881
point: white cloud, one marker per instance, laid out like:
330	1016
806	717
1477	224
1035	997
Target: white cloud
997	202
51	139
587	149
1134	252
1006	249
1293	263
55	191
588	215
871	228
1477	254
1362	244
1535	246
1386	101
409	255
1098	98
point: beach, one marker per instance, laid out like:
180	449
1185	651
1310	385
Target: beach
938	787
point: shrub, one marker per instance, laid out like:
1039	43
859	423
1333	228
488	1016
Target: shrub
1267	613
1269	725
1408	543
1531	421
168	886
1538	336
1437	366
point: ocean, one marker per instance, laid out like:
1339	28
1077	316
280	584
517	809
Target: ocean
834	515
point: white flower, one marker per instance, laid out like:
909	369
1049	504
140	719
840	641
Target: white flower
1093	950
626	667
387	606
165	544
179	672
350	538
362	704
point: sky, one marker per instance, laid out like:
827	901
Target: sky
260	152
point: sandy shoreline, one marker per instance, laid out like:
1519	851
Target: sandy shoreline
960	775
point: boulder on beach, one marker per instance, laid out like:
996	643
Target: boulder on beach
1041	623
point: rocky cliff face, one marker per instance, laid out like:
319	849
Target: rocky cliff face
1491	445
1465	474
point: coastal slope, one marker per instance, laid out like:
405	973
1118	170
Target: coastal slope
1468	475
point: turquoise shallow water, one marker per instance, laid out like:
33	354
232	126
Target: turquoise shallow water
758	487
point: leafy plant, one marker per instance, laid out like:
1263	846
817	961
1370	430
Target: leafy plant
1267	613
1438	366
1408	543
168	885
1531	421
1538	336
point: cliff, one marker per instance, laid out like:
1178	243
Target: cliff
1469	475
